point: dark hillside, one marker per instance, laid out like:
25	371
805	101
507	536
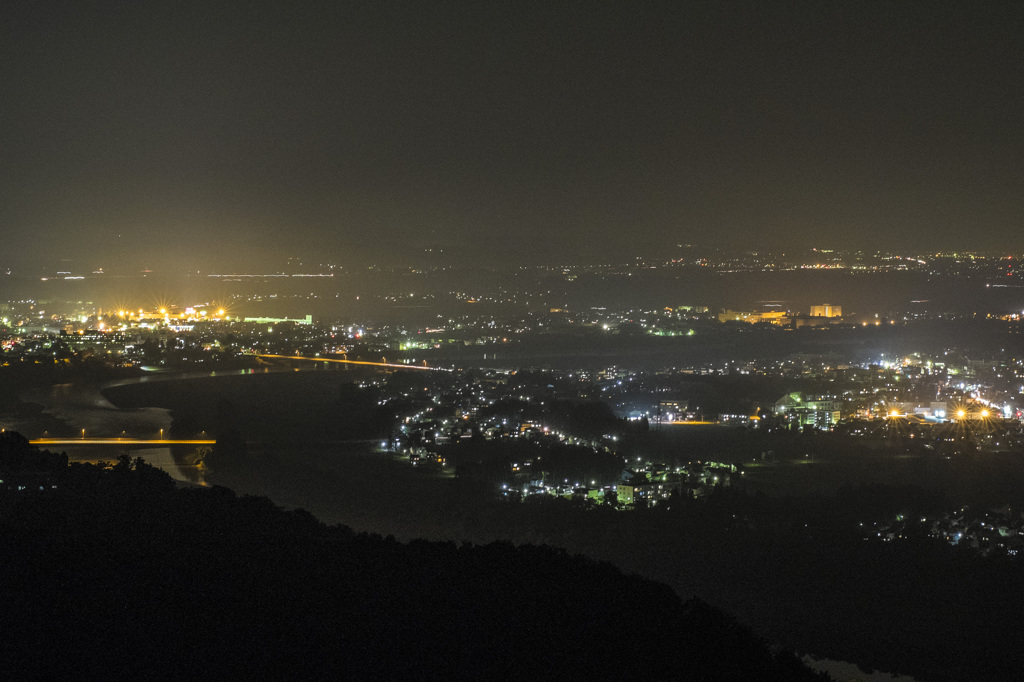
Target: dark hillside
116	573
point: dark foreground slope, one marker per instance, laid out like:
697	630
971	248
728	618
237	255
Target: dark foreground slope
117	573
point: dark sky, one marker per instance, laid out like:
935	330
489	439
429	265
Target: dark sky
175	133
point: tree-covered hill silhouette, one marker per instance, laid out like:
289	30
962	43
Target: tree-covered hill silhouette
118	573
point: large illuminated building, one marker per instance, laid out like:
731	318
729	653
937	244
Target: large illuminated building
171	317
770	316
822	413
826	310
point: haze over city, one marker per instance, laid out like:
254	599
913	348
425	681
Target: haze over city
190	135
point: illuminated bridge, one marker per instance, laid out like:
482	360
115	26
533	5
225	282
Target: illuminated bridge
118	441
390	365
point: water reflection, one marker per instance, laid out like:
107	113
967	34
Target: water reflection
69	408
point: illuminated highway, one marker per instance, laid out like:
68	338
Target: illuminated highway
349	362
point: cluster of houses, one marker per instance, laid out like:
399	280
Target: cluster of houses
990	531
638	487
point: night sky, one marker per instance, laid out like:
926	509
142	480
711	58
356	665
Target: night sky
183	134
